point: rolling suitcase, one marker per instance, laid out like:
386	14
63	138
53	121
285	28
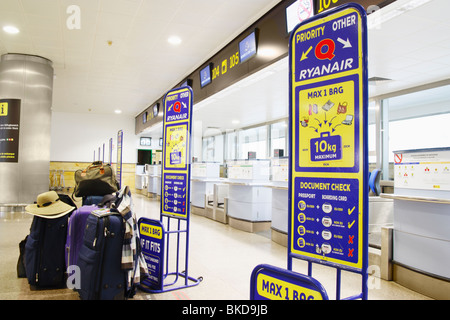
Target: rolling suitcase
75	233
99	260
44	250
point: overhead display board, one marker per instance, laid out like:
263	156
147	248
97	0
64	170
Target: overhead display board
176	153
370	5
328	112
9	130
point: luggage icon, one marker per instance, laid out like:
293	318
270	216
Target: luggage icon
326	148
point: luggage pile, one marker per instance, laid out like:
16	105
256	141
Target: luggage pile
93	249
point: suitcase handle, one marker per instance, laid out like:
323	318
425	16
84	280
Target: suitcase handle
324	134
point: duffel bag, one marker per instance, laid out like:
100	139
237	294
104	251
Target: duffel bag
98	179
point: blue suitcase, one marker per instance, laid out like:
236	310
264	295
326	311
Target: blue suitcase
89	200
44	254
99	259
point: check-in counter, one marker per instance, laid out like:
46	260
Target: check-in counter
249	205
280	205
141	179
154	180
203	177
421	239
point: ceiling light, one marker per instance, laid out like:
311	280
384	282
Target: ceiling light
10	29
118	111
174	40
235	122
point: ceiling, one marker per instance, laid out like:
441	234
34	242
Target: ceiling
409	42
119	57
409	45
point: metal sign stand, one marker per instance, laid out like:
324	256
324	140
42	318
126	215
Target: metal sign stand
328	186
188	281
175	200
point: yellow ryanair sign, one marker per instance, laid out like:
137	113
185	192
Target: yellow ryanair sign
328	112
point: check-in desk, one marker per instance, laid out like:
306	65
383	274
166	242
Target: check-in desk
421	238
280	206
249	205
141	180
154	180
203	177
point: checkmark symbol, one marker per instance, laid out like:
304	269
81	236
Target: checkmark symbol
350	211
350	224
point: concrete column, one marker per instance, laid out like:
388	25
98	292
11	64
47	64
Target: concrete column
29	79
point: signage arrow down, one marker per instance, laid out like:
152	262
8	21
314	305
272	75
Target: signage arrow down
305	54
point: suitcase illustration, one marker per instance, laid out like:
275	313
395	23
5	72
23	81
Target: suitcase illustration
326	148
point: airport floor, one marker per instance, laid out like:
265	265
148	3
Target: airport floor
222	255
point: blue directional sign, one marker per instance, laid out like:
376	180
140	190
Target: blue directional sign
329	163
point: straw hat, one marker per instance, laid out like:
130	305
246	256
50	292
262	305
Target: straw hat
49	206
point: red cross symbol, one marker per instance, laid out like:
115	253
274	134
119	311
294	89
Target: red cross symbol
350	252
350	239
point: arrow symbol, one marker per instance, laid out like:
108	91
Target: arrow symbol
346	44
334	129
305	54
331	121
320	124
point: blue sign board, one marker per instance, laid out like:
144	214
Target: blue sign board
328	190
176	153
152	245
272	283
119	157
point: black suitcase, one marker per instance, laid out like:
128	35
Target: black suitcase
99	259
45	252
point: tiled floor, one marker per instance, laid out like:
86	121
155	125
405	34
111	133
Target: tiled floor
223	256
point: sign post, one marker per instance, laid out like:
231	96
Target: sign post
328	187
175	190
119	157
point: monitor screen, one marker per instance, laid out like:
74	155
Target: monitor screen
205	76
146	141
247	47
144	117
297	12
